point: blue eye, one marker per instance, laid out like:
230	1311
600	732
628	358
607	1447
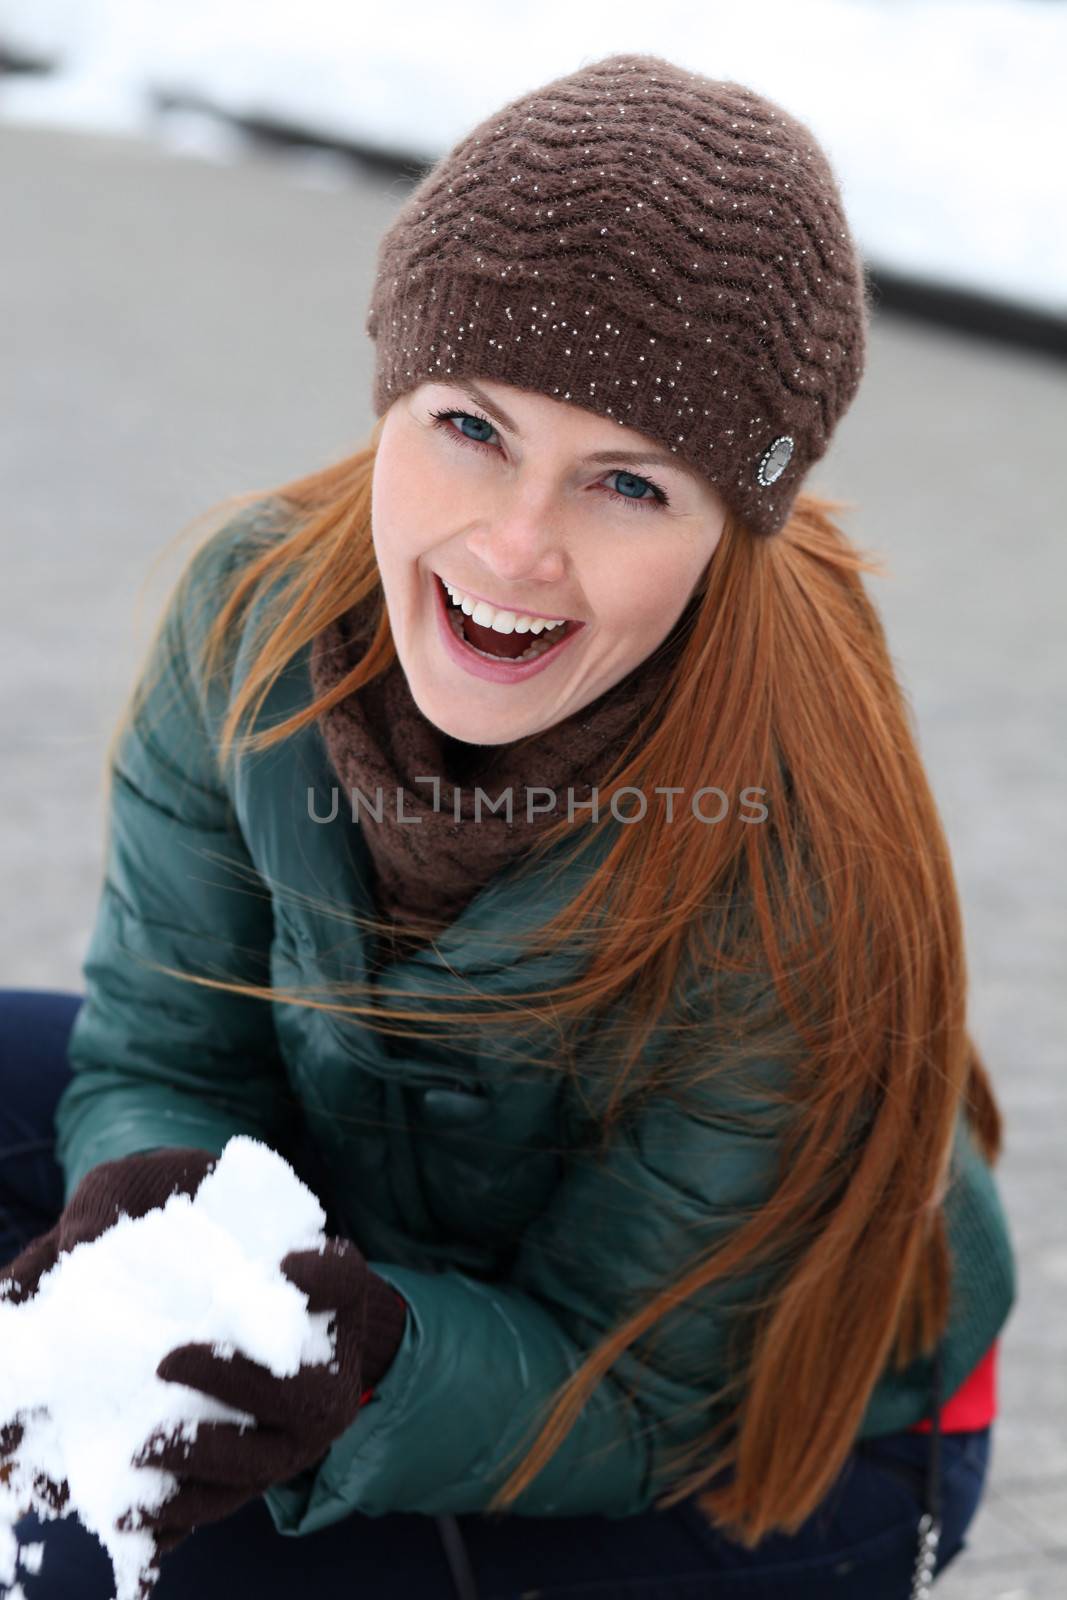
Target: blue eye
467	416
629	479
443	419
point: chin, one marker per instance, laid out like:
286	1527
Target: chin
470	722
467	727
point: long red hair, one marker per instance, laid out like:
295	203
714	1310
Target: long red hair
844	915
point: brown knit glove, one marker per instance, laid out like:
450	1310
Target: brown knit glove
298	1417
133	1184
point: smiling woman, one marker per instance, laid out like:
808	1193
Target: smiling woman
659	1144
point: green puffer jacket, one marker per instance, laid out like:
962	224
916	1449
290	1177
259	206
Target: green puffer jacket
469	1181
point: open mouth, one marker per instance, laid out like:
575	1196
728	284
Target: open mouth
504	647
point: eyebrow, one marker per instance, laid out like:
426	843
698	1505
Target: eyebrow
637	457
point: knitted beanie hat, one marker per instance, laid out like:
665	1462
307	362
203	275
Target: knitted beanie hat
649	244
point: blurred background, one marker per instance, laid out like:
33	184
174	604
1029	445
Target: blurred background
192	198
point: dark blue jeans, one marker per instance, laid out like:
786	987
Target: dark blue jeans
860	1541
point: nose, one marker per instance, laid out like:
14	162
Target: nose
519	545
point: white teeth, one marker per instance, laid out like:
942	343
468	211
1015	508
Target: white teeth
538	647
501	621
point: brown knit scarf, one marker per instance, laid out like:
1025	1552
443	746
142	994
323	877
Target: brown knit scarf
378	738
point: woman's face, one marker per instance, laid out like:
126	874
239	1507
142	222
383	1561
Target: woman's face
506	503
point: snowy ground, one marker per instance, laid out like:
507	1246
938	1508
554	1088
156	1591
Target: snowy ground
945	119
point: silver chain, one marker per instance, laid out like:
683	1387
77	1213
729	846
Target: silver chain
926	1559
930	1521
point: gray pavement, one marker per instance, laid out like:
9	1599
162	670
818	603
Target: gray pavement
174	331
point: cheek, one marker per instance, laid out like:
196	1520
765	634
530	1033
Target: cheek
637	598
414	502
398	510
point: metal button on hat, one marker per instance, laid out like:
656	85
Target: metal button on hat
775	459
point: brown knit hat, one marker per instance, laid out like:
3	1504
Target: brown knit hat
652	245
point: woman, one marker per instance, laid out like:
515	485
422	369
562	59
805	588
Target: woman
519	826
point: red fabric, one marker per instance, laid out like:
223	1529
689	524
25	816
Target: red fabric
974	1405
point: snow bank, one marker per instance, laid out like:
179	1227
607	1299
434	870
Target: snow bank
944	121
78	1360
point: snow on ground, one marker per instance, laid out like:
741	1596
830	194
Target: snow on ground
78	1360
944	119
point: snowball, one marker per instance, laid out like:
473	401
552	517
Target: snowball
78	1360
